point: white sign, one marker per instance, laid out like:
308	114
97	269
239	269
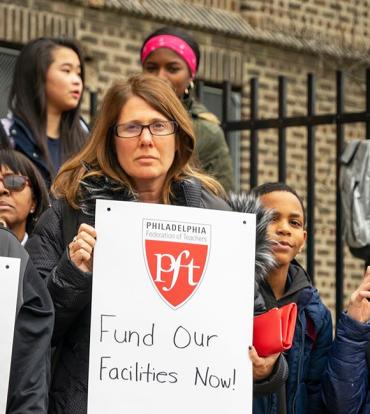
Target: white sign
9	279
172	310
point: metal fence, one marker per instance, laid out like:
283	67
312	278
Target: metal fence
309	121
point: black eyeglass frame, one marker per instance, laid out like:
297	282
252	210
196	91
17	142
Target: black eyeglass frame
143	126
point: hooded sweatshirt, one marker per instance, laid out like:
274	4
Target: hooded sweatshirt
308	355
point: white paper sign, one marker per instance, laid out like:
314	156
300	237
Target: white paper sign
9	279
172	310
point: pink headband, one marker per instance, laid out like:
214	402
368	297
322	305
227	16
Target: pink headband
174	43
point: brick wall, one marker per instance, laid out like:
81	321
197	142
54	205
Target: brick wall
232	5
112	41
343	21
21	21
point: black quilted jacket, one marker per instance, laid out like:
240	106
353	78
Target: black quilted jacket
30	365
71	289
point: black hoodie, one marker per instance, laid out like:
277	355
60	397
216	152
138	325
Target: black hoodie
297	280
30	364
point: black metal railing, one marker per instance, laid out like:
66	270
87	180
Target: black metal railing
281	123
309	121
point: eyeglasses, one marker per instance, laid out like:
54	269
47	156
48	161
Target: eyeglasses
157	128
14	182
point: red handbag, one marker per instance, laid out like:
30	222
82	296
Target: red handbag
273	330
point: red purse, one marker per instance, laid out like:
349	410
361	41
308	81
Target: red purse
273	330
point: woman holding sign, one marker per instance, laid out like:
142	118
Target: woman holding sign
141	149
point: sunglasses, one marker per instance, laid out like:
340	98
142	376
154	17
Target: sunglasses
14	182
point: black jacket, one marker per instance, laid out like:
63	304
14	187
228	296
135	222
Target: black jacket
71	289
30	365
308	355
21	139
346	379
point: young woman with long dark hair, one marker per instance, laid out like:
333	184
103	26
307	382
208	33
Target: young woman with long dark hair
44	102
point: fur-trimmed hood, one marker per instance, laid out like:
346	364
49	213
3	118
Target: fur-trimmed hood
97	187
264	262
248	203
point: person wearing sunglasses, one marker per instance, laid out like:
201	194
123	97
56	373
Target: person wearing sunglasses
140	150
23	194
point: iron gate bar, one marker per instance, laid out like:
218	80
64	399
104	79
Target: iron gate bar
282	130
339	262
226	99
367	263
311	168
310	121
199	87
368	102
93	106
253	179
299	121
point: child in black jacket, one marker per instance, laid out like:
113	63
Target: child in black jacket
289	283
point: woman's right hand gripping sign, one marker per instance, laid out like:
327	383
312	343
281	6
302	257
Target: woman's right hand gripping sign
81	248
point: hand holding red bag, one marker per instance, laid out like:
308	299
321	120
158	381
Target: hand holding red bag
273	330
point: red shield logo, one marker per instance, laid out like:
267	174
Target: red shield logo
176	257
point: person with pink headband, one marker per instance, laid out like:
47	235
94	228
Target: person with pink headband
172	54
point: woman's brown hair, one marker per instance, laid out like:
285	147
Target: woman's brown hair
100	153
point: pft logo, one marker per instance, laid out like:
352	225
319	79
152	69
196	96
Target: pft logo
176	268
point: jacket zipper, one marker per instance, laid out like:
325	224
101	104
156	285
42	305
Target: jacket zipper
299	364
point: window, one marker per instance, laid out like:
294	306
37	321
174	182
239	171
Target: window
7	63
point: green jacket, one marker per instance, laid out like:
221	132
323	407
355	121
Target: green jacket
211	147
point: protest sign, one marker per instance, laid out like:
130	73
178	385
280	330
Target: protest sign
9	279
172	310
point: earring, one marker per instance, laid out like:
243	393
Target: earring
32	210
189	88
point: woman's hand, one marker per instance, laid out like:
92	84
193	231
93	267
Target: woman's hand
359	305
262	366
82	246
